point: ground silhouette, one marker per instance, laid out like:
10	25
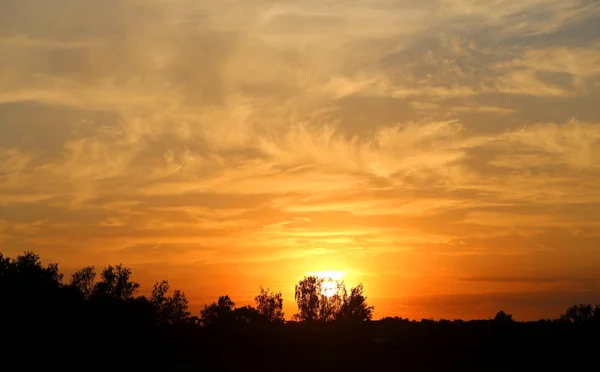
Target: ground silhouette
87	324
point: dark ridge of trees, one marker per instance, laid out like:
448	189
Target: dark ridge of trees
91	321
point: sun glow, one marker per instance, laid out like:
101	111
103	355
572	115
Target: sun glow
333	275
329	288
331	281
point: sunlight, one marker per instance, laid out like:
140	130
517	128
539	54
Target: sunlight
331	281
333	275
329	288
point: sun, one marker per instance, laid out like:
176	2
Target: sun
329	288
331	281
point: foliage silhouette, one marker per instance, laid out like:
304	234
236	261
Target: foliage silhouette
582	313
248	314
270	305
323	299
218	312
172	309
502	317
83	281
354	307
116	283
313	303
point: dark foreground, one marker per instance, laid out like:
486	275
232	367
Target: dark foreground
383	345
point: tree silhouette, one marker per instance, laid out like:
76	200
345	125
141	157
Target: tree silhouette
178	307
503	318
32	296
4	264
580	314
29	266
218	312
26	278
159	297
83	281
354	307
248	314
116	283
169	309
270	305
307	295
314	304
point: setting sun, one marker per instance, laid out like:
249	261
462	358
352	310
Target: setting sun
329	288
332	281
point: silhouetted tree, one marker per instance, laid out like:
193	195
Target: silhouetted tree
29	264
248	314
270	305
116	283
169	309
218	312
83	281
354	307
580	314
308	297
313	303
502	317
32	296
178	307
26	277
4	264
159	294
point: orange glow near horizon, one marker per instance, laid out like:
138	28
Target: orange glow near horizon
444	153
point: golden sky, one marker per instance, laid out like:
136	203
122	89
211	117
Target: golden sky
445	153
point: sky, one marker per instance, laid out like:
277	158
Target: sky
444	153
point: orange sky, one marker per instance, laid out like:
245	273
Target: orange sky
445	153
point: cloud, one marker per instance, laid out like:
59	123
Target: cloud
525	82
14	162
580	62
522	75
575	143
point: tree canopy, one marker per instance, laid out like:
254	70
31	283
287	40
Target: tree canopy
220	311
325	299
116	283
170	309
270	305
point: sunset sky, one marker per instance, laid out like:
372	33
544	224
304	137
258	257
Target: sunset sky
445	153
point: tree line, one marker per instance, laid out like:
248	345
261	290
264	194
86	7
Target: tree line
97	318
24	278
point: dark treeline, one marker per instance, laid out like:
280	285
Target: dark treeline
96	320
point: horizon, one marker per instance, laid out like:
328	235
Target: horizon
290	306
443	153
